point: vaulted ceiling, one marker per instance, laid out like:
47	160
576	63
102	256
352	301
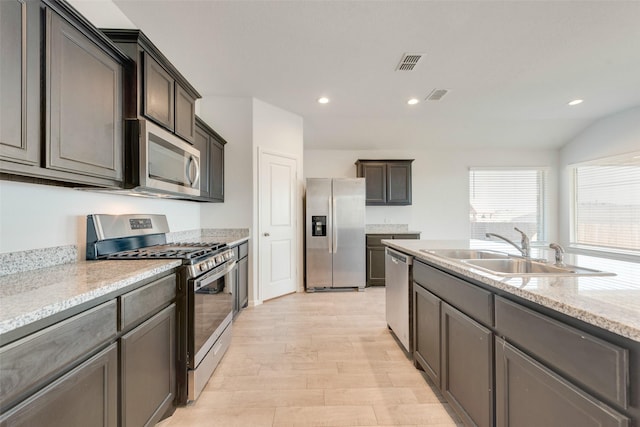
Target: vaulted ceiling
510	67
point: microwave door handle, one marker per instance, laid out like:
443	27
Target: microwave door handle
197	170
192	164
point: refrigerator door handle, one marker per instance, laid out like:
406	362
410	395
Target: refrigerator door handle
330	225
334	214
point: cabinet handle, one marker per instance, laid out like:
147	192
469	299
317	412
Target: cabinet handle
266	234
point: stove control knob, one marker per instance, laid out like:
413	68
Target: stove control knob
202	266
210	264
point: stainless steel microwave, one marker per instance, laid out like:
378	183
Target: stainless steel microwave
158	162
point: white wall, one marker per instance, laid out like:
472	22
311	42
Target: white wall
250	125
613	135
232	118
40	216
440	184
279	131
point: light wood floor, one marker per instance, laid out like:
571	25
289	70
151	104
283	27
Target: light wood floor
316	359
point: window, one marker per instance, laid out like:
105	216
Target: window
501	199
606	204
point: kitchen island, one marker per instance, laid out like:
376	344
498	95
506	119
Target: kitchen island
528	350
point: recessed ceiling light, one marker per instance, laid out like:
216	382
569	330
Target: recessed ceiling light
413	101
323	100
575	102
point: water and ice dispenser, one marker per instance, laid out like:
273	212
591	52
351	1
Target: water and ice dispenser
319	225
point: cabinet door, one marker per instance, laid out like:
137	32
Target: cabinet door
216	170
398	183
426	327
375	266
467	367
376	181
243	282
158	93
185	119
19	81
86	396
84	104
530	395
147	382
201	142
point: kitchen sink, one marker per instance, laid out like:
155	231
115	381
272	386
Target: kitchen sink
466	253
525	267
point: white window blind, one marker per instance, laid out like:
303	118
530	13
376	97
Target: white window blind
606	204
501	199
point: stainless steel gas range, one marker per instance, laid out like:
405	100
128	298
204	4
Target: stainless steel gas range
204	295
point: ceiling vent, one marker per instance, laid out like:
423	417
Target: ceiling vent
437	94
409	61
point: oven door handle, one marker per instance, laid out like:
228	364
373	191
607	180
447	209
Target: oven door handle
205	281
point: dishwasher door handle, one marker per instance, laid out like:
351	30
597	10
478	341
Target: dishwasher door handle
399	257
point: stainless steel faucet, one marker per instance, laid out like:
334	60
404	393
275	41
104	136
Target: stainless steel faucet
524	248
559	253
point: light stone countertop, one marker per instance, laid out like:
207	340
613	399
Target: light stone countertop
30	293
31	296
389	229
608	302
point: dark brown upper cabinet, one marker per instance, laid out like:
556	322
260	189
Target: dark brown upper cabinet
155	89
211	146
62	96
388	182
20	82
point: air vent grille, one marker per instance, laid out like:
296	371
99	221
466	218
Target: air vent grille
437	94
409	61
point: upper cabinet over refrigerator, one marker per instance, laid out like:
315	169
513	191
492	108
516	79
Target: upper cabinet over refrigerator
335	233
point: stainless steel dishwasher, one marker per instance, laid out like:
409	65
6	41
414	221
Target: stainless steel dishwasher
398	296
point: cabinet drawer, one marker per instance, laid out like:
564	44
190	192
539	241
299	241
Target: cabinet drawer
86	396
376	239
599	366
38	358
468	298
137	305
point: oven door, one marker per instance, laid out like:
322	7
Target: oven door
210	310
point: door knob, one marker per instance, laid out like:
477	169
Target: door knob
266	234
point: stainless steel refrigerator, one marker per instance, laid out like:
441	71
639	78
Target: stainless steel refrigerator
335	233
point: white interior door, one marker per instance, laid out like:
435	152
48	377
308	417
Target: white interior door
277	232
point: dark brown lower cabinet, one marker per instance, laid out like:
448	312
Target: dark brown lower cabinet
243	282
86	396
467	367
530	395
375	266
376	256
426	309
147	379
